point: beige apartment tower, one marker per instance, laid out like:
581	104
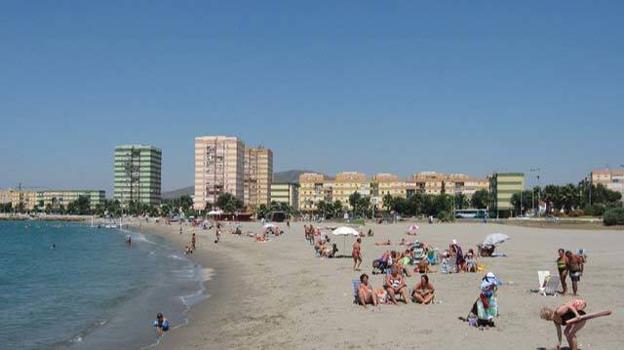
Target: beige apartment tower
258	176
219	168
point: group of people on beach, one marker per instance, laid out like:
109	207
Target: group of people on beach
570	264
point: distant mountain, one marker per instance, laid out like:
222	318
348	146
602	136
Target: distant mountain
188	191
280	176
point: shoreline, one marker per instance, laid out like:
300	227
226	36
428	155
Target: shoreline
278	295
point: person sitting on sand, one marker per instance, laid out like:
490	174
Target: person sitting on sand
571	315
366	294
187	250
423	266
161	324
471	261
402	263
423	292
395	284
386	242
370	232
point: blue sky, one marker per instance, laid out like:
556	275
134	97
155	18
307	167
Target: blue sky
393	86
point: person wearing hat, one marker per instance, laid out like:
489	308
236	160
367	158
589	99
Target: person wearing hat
161	324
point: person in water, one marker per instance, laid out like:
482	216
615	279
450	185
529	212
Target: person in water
193	241
161	324
572	315
129	240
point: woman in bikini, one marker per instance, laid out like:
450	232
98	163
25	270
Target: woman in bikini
395	284
562	266
366	294
423	292
571	315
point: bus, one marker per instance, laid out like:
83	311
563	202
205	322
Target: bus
470	213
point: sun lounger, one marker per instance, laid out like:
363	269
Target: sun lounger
542	277
552	284
356	286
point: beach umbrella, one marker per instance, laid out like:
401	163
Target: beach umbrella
495	238
268	225
215	212
345	231
413	229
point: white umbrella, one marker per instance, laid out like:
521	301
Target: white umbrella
269	225
215	212
495	238
413	228
345	231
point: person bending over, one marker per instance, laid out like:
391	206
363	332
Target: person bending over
571	315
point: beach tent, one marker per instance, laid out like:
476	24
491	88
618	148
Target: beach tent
345	231
495	238
413	229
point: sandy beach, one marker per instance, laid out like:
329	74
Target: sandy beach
278	295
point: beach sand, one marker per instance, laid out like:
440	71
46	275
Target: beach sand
278	295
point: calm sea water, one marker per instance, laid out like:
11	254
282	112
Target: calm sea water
92	291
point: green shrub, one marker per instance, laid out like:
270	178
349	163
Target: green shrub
594	210
445	216
613	217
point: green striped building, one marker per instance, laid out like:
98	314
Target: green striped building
137	174
502	187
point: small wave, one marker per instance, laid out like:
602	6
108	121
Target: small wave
176	257
77	339
192	299
207	273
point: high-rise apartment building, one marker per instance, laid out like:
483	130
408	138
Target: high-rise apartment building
219	168
137	171
258	176
502	187
285	192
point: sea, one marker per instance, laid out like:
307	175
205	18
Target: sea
73	286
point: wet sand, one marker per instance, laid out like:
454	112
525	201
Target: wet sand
278	295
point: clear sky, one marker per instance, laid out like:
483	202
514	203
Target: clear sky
393	86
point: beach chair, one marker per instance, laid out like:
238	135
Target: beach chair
356	286
552	284
542	277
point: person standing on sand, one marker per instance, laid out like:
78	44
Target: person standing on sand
575	267
562	266
193	241
356	253
571	315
